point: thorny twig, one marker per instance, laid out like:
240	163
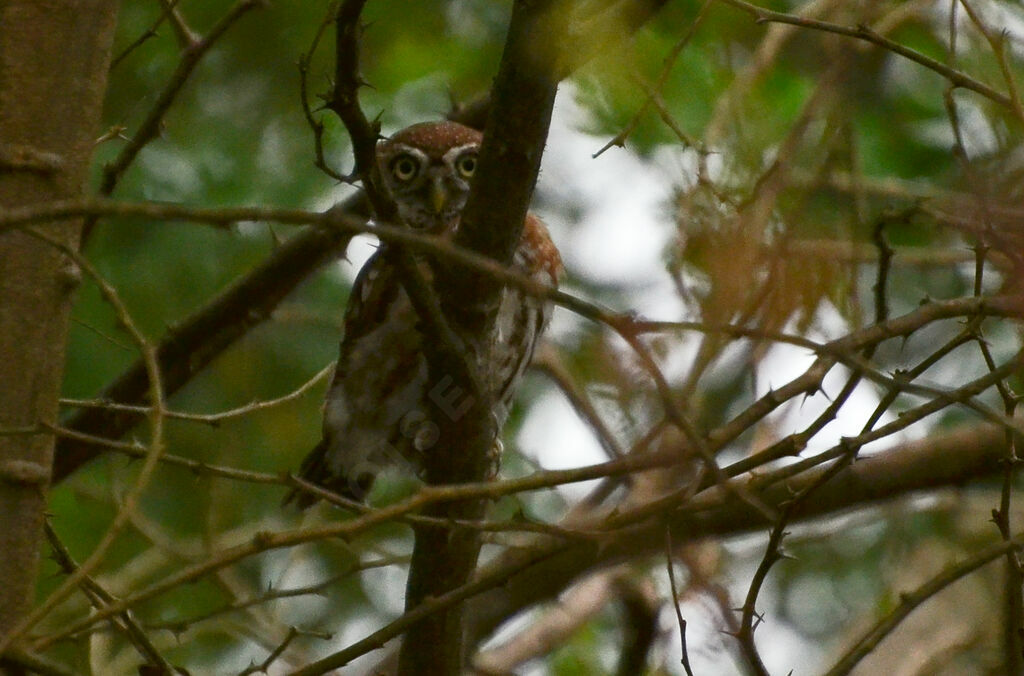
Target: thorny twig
191	54
908	602
675	602
957	78
669	62
99	597
316	125
212	419
169	9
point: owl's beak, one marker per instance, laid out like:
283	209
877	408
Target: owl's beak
438	195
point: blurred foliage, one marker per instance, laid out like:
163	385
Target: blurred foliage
859	136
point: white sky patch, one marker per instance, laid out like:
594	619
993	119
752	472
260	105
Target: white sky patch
296	571
786	362
359	251
554	435
621	232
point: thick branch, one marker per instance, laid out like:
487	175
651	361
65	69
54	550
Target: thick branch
514	138
952	459
54	59
491	225
948	460
199	339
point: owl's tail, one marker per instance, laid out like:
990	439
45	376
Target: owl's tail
315	469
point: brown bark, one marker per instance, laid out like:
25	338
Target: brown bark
54	57
946	459
515	135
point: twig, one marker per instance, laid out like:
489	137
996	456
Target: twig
674	412
316	125
909	602
619	139
170	10
998	45
135	449
548	362
191	54
277	594
182	32
959	79
99	597
675	602
213	419
264	666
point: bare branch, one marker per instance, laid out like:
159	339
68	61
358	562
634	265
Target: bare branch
192	53
909	602
99	597
957	78
156	444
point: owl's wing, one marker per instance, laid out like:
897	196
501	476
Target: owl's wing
371	295
522	318
380	389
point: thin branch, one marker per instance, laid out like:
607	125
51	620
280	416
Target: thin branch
271	595
316	125
191	54
998	46
957	78
185	36
135	449
619	140
100	597
169	7
675	602
213	419
548	361
264	666
908	602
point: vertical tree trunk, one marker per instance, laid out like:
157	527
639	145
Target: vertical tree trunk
54	57
492	224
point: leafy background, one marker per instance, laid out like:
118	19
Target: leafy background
651	227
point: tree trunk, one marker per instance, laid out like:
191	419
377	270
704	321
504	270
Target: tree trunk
54	57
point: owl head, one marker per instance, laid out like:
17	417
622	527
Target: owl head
426	168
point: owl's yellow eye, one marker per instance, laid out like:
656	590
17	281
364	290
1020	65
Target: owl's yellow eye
466	164
404	167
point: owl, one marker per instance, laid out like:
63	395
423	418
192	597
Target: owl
378	407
